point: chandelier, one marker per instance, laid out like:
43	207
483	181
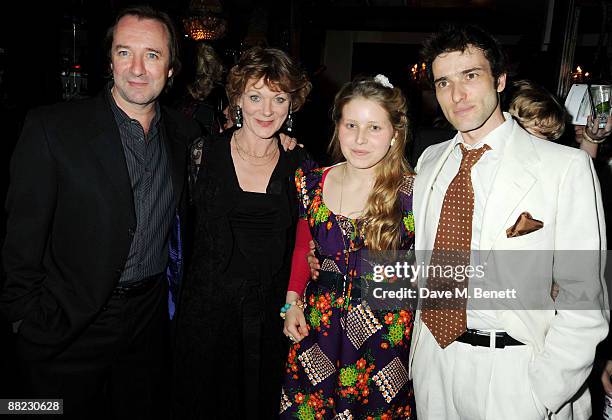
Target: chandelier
205	21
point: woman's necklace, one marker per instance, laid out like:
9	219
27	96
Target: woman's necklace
265	155
268	156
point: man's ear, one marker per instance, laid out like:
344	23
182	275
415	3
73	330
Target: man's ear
501	82
170	73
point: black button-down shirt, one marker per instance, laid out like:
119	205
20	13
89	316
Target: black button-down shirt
148	167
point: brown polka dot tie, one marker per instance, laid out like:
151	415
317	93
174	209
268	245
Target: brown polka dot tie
445	317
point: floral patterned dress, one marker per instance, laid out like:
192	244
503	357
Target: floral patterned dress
354	362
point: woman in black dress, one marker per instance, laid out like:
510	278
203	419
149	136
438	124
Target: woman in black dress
229	353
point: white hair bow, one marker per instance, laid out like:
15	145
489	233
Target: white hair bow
383	80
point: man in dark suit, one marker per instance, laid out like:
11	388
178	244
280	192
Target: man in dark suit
97	188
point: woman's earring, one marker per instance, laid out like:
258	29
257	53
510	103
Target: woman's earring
392	141
238	116
289	122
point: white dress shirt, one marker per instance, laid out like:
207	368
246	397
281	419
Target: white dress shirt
483	174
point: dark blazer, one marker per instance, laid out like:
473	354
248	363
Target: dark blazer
71	217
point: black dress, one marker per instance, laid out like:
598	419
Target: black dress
230	350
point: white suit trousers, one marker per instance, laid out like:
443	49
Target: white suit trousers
472	382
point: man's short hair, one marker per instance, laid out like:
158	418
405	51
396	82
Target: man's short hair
460	38
147	12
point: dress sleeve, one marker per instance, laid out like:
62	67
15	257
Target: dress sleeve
405	197
300	272
302	192
30	203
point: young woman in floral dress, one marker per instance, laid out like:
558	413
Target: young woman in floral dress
350	361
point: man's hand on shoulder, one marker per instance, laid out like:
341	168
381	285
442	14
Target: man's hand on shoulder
313	262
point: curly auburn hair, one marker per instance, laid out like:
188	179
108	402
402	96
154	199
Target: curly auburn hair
278	71
382	211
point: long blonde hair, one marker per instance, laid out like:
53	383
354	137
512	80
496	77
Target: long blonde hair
382	213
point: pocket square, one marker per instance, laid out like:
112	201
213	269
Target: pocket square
524	224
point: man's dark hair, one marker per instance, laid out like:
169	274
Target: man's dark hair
147	12
460	38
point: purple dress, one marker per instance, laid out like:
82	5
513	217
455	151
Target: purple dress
354	362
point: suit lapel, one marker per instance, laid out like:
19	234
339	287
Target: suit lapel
106	145
424	220
425	230
514	179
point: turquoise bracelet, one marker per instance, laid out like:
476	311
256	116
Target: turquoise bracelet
287	306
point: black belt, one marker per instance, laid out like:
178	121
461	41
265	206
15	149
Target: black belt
136	288
336	282
483	339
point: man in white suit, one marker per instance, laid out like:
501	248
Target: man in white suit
522	361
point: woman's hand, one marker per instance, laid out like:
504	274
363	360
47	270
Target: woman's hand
554	290
288	143
594	132
295	327
295	324
605	378
590	136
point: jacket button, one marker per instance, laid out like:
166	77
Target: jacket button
131	231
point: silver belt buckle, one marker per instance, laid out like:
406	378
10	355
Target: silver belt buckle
492	337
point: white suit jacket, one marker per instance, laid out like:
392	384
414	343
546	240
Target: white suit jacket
558	186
